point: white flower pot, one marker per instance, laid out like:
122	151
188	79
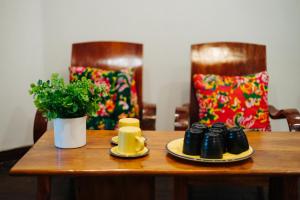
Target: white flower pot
70	133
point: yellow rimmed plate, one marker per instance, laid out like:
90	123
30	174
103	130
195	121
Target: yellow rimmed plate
175	147
115	140
114	151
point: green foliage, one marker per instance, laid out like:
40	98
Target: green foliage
56	99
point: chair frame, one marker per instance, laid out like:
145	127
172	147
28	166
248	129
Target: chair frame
235	59
233	62
110	55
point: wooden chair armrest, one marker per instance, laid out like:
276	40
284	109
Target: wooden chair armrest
292	116
39	126
181	117
149	116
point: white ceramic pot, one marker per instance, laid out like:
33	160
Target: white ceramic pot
70	133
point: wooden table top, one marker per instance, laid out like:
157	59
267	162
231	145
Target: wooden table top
276	153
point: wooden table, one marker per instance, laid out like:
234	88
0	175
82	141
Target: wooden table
277	158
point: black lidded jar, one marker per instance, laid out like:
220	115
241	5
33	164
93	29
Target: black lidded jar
192	141
212	146
236	140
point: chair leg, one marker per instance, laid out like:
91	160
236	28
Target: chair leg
260	193
180	188
43	188
72	189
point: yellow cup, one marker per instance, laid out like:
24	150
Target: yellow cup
129	122
134	122
130	141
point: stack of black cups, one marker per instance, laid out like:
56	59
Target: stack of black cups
213	142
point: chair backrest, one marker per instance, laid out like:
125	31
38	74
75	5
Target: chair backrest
224	58
112	56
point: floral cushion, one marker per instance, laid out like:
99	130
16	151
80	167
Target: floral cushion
233	100
121	100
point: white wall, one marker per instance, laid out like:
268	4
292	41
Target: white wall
167	29
21	57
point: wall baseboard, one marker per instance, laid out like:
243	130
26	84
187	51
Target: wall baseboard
13	154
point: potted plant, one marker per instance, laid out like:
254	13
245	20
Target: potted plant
68	105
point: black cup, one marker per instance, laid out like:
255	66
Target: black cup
192	141
201	126
236	140
212	146
222	134
222	126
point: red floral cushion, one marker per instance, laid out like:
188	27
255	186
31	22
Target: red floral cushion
233	100
121	99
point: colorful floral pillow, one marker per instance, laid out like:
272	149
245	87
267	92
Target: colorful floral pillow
233	100
121	100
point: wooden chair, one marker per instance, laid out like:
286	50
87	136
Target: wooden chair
226	58
112	56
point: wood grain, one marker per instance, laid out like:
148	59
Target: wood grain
276	154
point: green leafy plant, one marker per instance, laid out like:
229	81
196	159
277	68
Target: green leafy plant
56	99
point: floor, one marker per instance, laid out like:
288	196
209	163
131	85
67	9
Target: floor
24	188
15	188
